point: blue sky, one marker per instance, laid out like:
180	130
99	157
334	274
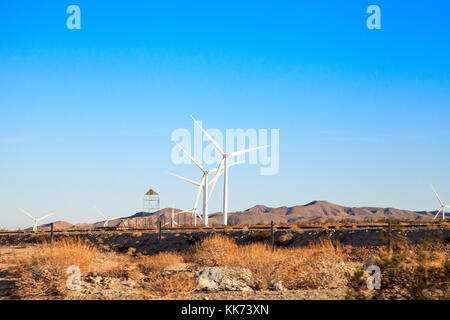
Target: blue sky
87	115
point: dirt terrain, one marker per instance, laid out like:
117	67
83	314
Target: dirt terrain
99	287
312	264
147	242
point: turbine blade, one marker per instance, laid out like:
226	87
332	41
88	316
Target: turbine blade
439	211
235	163
236	153
28	214
185	179
208	136
198	215
42	218
101	213
228	165
200	187
216	177
191	157
437	196
184	211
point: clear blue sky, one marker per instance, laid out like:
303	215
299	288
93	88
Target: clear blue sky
86	115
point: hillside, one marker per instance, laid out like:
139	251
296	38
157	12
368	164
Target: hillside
313	211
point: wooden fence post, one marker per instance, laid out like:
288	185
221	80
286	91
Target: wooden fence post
272	236
51	234
160	230
389	236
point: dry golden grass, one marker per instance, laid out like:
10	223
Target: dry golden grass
165	286
42	274
43	271
295	267
213	251
159	262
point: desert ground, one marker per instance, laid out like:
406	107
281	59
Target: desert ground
232	264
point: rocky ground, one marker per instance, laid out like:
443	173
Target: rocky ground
218	284
193	280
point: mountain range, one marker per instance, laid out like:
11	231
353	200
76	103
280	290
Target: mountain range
313	211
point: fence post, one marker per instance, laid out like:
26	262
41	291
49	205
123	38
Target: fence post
51	233
160	230
272	237
389	236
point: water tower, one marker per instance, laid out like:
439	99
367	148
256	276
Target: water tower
151	202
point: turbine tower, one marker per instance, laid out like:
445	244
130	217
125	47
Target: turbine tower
204	181
225	157
199	190
105	224
443	206
36	220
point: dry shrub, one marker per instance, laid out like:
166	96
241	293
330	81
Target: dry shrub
168	285
114	265
313	266
43	272
159	262
261	261
323	246
413	272
285	239
213	251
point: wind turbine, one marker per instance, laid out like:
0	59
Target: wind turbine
199	190
36	220
225	157
203	182
104	217
172	218
443	206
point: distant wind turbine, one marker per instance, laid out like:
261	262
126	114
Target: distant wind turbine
36	220
105	224
225	157
443	206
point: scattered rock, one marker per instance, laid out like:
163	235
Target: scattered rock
224	279
277	286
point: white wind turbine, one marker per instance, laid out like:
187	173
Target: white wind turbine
443	206
105	224
199	190
203	182
36	220
225	157
172	220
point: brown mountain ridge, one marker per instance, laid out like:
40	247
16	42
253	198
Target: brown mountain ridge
313	211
